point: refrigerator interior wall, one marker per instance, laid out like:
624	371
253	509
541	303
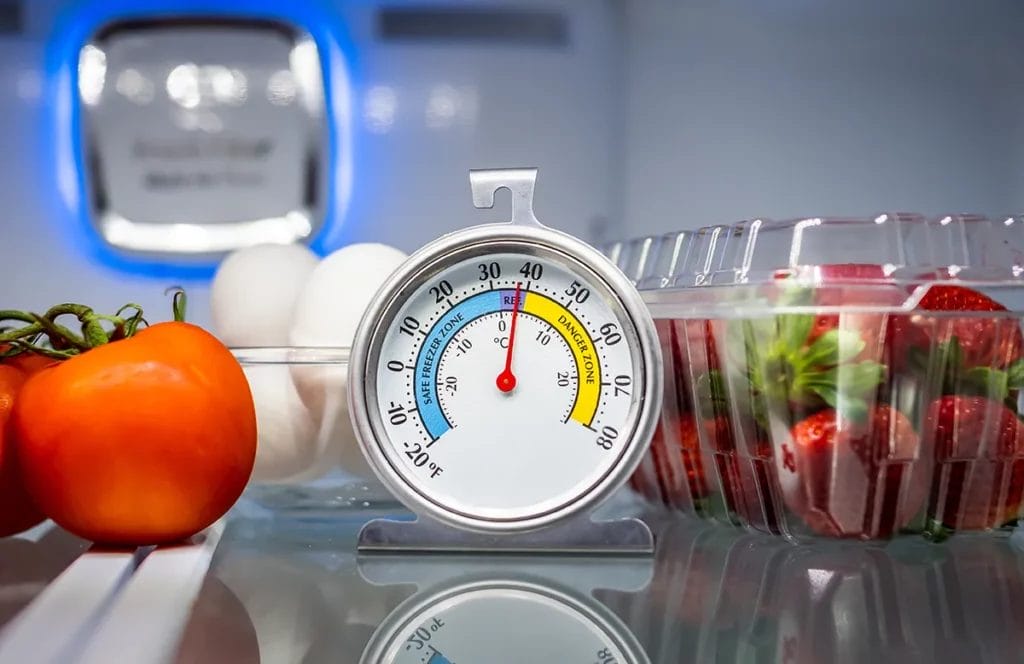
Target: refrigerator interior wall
782	109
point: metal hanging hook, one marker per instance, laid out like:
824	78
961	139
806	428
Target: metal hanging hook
520	181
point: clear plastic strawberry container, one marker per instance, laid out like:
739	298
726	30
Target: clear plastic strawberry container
839	378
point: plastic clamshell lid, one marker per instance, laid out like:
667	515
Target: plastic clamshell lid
879	255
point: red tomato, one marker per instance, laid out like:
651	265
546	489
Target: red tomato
141	441
17	512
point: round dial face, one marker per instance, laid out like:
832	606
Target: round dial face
508	383
502	625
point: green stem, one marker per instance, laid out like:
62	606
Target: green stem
13	314
94	333
79	311
62	341
32	330
130	324
39	330
24	347
61	338
179	303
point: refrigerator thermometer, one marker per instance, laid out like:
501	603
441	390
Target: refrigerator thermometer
507	376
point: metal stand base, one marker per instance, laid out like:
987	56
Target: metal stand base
582	535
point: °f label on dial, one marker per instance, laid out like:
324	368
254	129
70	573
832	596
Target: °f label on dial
507	384
503	626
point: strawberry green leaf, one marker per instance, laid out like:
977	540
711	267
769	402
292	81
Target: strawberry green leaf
794	330
936	531
824	351
747	399
850	345
833	347
861	377
711	395
949	363
854	380
760	331
845	388
828	393
1015	375
702	506
760	411
855	410
746	340
849	407
949	353
918	360
984	382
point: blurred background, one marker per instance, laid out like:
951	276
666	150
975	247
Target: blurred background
142	139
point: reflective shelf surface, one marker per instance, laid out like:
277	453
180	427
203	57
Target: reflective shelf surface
298	592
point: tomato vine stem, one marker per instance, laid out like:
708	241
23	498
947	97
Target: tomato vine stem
44	335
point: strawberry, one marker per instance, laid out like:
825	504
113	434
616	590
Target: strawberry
814	377
979	450
728	466
675	453
983	341
853	477
678	464
683	468
674	472
756	488
675	449
645	480
745	471
696	341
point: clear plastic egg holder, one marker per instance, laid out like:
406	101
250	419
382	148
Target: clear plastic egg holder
724	451
308	460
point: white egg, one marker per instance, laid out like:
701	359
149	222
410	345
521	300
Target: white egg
254	292
327	314
287	444
324	389
338	291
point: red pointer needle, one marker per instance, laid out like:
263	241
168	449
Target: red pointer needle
506	379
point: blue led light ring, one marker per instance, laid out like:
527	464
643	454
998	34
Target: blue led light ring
78	23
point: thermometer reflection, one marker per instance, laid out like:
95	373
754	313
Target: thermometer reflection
503	612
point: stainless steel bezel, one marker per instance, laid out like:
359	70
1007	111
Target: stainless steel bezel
448	250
